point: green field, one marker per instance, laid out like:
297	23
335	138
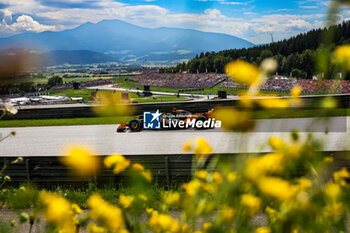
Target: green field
153	99
70	121
214	90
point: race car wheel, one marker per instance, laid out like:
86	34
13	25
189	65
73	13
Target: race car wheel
135	125
200	118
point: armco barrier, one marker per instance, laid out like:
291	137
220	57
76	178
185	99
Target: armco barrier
166	169
193	106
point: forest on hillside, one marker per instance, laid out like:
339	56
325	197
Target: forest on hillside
296	56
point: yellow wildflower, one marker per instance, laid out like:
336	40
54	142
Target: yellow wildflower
274	102
76	209
187	146
105	214
243	72
171	198
332	192
57	211
80	158
201	174
231	176
272	213
276	187
271	163
93	228
147	174
328	159
276	143
119	162
191	187
233	119
217	177
137	167
296	91
111	104
203	148
125	201
262	230
304	183
342	56
341	176
227	214
163	223
253	203
207	226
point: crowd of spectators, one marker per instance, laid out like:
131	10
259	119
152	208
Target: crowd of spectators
155	79
308	86
83	84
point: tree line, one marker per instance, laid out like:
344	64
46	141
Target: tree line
296	56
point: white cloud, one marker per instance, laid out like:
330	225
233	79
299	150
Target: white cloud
23	23
251	26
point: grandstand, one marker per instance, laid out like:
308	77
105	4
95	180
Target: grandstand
155	79
308	86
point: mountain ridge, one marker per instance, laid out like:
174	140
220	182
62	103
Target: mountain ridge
127	42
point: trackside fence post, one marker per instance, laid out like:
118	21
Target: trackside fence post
166	160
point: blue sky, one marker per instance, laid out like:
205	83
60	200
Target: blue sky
253	20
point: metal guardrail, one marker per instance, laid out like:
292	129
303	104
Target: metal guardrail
48	171
137	109
167	170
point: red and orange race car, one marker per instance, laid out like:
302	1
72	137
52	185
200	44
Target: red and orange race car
169	119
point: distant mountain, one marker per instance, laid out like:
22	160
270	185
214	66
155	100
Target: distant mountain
127	42
59	57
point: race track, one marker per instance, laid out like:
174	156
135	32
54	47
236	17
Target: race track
49	141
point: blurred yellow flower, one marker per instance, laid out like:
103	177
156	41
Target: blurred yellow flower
111	104
164	223
76	209
262	230
232	176
207	226
119	162
243	72
272	213
233	119
276	143
296	91
342	56
105	214
274	102
332	192
201	174
187	146
341	176
147	175
81	158
171	198
93	228
252	202
276	187
227	214
191	187
202	148
57	211
269	65
304	183
125	201
137	167
271	163
217	177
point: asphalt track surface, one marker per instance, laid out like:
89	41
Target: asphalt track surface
49	141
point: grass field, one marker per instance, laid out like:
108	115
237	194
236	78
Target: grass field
67	121
214	90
